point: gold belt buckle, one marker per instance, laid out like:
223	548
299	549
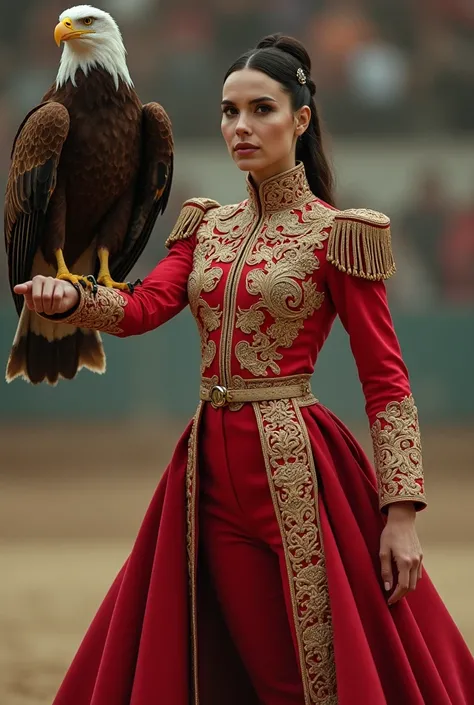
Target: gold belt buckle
218	396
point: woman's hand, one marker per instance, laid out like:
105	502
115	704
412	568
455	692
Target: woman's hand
48	295
399	543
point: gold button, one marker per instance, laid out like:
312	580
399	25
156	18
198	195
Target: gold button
218	396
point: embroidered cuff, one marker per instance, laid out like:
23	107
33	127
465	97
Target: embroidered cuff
100	311
397	454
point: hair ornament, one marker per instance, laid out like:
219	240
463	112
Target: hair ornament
301	76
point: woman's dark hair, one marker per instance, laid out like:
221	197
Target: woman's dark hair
280	57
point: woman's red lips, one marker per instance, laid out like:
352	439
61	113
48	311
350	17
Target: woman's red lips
245	148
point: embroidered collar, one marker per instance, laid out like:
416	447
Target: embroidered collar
289	189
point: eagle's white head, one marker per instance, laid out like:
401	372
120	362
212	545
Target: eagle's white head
91	38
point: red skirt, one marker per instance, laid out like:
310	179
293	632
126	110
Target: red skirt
153	627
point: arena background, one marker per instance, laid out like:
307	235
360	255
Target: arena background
79	463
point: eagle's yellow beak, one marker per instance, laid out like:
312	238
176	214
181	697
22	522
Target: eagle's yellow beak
65	30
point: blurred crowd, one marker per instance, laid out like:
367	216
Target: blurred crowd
382	69
433	240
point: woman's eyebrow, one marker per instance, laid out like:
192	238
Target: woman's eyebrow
262	99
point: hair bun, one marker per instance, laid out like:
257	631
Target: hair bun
268	42
289	45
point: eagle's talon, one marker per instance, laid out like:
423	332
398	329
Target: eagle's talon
86	281
92	280
106	280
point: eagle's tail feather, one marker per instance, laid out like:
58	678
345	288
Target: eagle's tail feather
47	351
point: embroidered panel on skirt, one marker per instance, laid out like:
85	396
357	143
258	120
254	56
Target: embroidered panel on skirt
191	476
293	484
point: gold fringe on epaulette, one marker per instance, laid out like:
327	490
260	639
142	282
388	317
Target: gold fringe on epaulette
189	219
361	249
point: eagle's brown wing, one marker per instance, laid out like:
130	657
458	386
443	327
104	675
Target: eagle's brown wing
31	183
153	187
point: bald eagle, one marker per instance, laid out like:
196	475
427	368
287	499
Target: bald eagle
91	170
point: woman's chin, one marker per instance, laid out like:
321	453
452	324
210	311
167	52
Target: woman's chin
244	167
248	163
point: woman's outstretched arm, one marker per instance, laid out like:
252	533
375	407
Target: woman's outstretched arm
162	295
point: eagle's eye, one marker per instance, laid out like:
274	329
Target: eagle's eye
87	21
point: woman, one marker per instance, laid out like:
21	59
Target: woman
273	565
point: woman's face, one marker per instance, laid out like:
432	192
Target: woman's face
259	125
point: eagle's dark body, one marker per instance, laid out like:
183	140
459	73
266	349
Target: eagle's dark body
99	166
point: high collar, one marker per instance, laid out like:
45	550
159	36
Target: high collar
289	189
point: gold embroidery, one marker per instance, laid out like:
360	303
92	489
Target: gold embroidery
397	453
204	277
288	260
234	222
293	484
280	228
311	219
191	469
289	189
218	240
230	301
100	311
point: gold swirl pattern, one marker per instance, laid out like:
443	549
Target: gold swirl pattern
234	222
397	453
217	241
294	488
282	191
204	277
288	252
293	226
102	310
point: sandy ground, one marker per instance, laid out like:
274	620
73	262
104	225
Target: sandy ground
66	526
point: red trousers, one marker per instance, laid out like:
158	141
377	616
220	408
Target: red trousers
241	540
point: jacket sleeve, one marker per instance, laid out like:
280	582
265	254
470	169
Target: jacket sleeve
360	252
162	295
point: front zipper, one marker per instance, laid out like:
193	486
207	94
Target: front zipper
230	304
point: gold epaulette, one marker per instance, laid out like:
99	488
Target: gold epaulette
192	213
360	244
